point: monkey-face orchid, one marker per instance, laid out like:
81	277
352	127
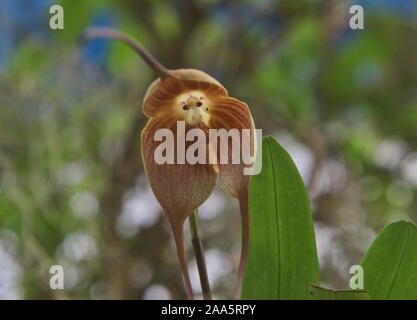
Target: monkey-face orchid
199	101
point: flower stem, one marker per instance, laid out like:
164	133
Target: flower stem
110	33
199	255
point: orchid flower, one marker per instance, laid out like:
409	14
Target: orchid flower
200	101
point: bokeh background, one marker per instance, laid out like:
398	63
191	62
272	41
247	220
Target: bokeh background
72	190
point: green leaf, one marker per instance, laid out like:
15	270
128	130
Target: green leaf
390	264
320	293
282	257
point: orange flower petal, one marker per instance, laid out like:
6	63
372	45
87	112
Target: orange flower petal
163	94
179	188
230	113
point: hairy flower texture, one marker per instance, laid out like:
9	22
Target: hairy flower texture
200	101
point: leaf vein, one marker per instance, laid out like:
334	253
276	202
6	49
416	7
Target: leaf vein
276	217
399	263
